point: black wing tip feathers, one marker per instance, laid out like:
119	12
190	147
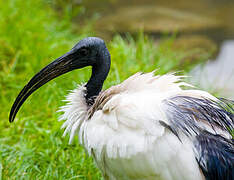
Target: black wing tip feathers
215	156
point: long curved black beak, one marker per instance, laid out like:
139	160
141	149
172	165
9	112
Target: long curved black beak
60	66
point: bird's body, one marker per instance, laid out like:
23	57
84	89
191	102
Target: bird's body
124	133
147	127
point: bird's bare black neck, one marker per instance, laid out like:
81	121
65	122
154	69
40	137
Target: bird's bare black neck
95	83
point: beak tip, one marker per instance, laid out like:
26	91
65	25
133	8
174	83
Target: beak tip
11	118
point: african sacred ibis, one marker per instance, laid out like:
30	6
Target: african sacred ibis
147	127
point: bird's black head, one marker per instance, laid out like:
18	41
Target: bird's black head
90	51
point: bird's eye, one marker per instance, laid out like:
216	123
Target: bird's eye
84	52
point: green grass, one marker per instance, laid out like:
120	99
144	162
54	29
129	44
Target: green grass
32	35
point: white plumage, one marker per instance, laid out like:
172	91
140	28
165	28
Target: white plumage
125	136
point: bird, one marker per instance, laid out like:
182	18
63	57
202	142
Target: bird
147	127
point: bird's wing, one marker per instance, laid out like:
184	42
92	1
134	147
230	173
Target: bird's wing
210	123
192	114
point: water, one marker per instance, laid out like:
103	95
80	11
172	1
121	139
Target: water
217	75
214	18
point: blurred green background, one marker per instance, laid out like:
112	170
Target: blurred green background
140	37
